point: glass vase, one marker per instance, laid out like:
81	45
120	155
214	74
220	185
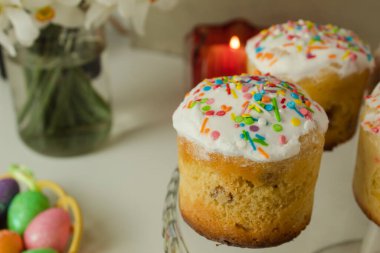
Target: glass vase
61	91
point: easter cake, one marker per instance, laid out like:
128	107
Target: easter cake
332	64
249	156
367	173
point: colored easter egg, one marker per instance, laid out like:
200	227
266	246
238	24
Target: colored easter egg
9	188
50	229
40	251
24	207
10	242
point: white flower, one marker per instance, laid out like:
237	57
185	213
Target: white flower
135	10
13	18
98	12
66	13
20	19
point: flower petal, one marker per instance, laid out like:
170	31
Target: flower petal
68	16
25	29
97	14
138	16
126	7
106	2
35	4
7	44
4	22
69	2
15	3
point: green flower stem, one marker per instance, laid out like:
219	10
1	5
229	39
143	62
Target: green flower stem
41	102
33	89
62	108
88	96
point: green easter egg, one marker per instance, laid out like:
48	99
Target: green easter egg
24	207
40	251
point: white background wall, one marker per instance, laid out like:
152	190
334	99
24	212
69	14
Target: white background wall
166	30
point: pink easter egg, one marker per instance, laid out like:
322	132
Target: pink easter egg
50	229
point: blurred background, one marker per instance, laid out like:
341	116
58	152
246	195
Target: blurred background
121	185
165	31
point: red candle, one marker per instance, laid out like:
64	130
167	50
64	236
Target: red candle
225	60
208	52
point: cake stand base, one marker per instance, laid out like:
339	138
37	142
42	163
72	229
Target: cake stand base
343	247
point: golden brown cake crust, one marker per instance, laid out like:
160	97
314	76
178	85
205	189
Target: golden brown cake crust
234	238
340	97
366	182
366	210
240	202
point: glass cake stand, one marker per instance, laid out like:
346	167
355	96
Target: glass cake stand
369	244
173	239
343	247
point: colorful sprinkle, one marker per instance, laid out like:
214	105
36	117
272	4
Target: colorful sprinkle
221	113
218	81
371	120
260	137
204	123
206	108
295	122
276	112
248	137
234	94
245	106
258	97
210	101
309	40
254	128
294	95
261	142
268	107
247	96
239	119
228	88
249	121
283	140
192	104
263	153
254	111
215	135
292	105
265	99
226	108
210	113
277	127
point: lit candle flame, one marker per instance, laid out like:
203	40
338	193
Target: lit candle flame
235	42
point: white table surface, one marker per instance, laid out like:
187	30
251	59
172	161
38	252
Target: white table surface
121	187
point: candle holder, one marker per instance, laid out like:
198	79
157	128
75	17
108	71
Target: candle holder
217	50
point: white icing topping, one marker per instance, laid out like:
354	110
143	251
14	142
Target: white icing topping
236	116
371	120
297	50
